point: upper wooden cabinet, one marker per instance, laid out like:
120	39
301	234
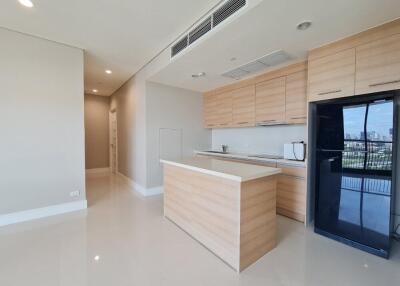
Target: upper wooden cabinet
270	101
223	105
276	97
332	76
296	98
210	110
378	65
243	107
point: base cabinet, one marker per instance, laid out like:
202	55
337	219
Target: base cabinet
292	192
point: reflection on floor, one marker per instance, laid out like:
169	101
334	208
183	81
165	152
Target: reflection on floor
123	239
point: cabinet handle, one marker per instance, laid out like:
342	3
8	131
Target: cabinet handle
223	124
329	92
272	120
299	117
244	122
384	83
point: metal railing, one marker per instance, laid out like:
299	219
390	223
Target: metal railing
367	184
367	155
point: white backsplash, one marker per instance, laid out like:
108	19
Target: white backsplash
258	140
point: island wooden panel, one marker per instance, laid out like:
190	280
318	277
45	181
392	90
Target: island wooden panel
236	221
258	220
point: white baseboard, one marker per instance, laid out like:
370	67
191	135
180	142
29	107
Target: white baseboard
155	191
33	214
98	171
140	189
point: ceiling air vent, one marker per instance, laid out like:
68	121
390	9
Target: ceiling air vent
227	10
179	46
258	65
200	30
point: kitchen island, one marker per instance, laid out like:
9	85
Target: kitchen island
229	207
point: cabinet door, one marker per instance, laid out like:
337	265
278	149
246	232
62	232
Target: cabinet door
243	107
292	192
270	101
332	76
223	110
378	65
296	98
210	110
291	197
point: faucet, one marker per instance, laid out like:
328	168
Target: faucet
225	148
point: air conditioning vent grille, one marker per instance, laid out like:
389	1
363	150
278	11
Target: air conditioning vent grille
179	46
200	30
267	61
227	10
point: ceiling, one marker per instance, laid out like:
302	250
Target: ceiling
268	27
118	35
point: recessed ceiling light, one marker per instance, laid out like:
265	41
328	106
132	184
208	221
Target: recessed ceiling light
97	258
95	90
304	25
26	3
108	71
197	75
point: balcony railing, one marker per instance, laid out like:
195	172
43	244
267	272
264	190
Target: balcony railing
367	155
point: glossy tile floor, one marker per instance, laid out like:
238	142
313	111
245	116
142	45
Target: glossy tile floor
123	239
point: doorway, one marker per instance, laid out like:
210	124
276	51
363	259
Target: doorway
113	142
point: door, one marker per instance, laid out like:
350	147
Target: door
354	173
113	142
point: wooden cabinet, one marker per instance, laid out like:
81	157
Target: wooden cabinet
243	107
296	98
224	109
217	110
210	110
291	192
378	65
277	97
332	76
270	101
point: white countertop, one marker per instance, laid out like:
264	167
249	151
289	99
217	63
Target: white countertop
229	170
250	158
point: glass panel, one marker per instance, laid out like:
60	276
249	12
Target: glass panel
354	137
380	136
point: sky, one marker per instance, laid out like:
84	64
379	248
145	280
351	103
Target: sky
380	118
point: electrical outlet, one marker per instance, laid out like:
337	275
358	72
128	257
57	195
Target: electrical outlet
74	194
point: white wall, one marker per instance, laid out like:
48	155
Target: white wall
41	123
176	111
258	140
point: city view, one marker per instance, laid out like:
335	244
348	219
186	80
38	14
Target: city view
373	150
